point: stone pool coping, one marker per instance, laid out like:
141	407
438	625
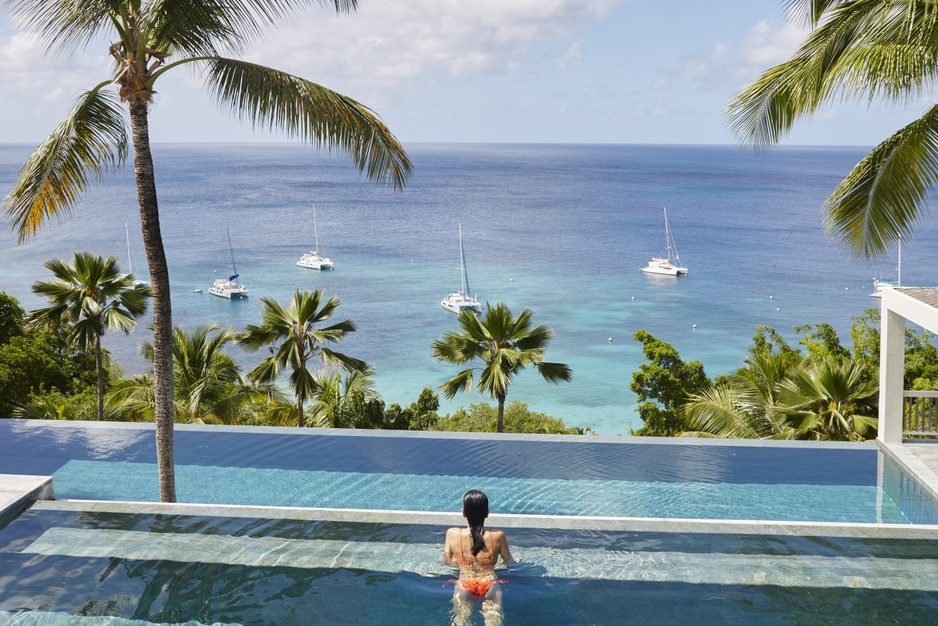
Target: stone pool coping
540	522
18	491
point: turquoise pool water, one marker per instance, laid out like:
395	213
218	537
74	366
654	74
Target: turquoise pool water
165	568
579	476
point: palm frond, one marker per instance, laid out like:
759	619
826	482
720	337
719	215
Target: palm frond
299	108
64	26
88	143
882	197
197	27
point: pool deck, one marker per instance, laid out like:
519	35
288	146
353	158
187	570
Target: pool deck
17	492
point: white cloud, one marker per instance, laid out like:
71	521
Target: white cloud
386	43
769	44
723	65
572	56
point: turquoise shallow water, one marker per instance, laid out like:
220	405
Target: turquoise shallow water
166	568
562	230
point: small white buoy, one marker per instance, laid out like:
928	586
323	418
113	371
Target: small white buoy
778	309
633	297
610	340
695	326
846	288
770	297
511	280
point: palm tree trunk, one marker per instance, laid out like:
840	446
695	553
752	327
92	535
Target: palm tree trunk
501	413
162	309
99	367
299	412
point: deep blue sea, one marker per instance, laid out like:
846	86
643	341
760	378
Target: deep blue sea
559	229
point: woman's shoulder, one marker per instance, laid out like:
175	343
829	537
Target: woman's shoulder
496	535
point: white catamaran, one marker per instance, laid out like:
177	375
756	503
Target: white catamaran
312	259
229	288
461	300
664	265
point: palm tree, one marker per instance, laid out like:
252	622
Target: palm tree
207	383
296	342
504	344
89	296
834	397
151	38
858	50
338	397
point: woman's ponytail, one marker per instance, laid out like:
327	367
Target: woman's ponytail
475	506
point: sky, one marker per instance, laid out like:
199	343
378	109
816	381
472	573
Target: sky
504	71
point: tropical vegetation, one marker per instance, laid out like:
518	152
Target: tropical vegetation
505	345
822	393
39	362
859	50
297	341
150	39
90	296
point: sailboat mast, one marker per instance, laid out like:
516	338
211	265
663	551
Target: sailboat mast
130	261
316	230
899	271
234	270
463	275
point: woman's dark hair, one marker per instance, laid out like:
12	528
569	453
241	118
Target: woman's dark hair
475	506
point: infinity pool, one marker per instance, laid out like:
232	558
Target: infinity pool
575	476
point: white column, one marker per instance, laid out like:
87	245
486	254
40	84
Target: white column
891	369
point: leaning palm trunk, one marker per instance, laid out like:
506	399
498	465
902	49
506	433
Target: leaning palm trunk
500	424
162	307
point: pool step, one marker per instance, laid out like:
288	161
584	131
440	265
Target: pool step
788	570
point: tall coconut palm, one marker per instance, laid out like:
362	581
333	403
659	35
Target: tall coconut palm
296	343
152	38
89	296
504	344
861	50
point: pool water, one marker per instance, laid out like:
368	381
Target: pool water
573	476
175	568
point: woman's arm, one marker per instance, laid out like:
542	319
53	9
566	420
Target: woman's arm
503	548
448	547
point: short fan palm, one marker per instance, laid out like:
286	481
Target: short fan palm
297	341
90	295
152	38
860	50
504	345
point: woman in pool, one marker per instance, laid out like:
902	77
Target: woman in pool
475	551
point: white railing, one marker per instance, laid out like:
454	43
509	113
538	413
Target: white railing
920	413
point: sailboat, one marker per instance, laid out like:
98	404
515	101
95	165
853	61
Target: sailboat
312	259
138	284
229	287
664	265
461	300
879	285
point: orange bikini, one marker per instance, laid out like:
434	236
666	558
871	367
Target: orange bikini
477	588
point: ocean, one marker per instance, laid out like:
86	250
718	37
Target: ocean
559	229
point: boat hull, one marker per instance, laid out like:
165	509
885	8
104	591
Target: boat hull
665	270
228	289
313	261
458	302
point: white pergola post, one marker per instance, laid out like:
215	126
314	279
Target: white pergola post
891	369
918	305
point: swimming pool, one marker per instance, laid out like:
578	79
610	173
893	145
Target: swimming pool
58	561
579	476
